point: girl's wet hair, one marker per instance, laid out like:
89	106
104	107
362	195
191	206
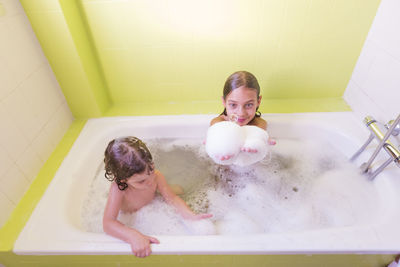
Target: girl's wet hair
239	79
125	157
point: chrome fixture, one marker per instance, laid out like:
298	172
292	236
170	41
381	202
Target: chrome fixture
396	129
392	128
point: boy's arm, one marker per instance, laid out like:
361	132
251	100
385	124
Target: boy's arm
140	244
174	200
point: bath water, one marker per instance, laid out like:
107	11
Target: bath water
296	187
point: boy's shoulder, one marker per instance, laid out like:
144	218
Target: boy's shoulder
115	192
158	174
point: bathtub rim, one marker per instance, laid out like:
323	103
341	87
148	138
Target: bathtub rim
121	248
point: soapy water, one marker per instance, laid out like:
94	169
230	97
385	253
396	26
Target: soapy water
296	187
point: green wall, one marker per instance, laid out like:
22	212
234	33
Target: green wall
65	40
172	57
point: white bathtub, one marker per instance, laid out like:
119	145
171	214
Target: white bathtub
55	227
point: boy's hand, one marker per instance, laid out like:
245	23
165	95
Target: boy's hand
140	244
199	224
202	216
194	217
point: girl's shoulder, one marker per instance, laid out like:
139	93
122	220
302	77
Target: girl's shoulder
259	122
218	119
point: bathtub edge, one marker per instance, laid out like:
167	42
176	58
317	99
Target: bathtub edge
21	214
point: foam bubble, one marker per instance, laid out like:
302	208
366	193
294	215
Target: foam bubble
156	218
200	227
224	138
236	222
257	139
349	200
227	139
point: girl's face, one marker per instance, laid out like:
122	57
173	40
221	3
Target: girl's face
241	105
143	180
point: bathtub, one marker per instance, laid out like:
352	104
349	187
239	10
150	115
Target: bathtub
54	227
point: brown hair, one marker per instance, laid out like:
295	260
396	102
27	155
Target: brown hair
125	157
239	79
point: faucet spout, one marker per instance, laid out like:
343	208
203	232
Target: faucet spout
384	142
383	138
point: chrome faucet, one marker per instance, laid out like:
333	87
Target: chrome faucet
393	128
396	129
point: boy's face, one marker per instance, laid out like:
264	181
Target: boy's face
143	180
241	105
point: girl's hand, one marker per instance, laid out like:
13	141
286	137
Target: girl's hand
225	157
140	244
250	150
271	141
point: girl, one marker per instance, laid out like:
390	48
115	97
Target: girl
241	99
129	165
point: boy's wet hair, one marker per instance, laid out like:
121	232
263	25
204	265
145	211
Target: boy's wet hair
125	157
239	79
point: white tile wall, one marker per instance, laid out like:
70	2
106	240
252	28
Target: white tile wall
374	88
33	112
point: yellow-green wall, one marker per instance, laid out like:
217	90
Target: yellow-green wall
61	31
172	57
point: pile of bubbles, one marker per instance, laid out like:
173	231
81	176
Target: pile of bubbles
296	187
